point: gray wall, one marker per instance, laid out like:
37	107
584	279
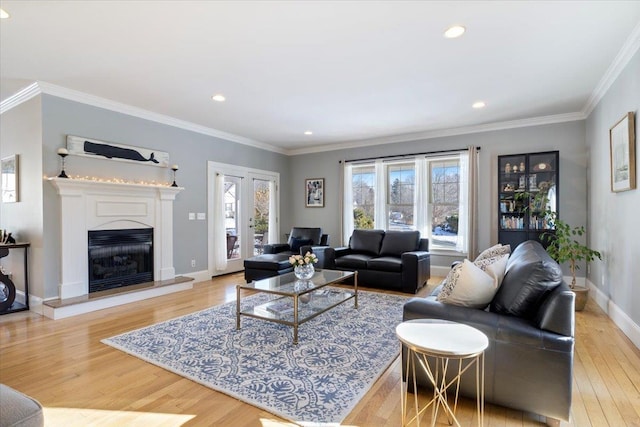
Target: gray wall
613	229
21	133
568	138
190	150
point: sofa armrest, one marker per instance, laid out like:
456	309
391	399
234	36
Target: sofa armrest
416	270
326	256
275	248
557	312
342	251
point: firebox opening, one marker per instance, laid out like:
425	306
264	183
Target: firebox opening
120	258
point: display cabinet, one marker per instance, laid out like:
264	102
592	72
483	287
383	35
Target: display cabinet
527	188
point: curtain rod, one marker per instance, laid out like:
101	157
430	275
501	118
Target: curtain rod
399	156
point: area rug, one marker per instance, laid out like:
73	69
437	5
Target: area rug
339	355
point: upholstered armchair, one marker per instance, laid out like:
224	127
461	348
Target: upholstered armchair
301	240
274	260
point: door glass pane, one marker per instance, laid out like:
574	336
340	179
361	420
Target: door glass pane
231	215
261	214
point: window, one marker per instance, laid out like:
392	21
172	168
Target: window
444	204
400	189
363	196
420	193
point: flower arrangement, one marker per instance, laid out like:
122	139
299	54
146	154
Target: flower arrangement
299	260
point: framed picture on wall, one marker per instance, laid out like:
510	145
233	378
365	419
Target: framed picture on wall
314	192
10	179
623	154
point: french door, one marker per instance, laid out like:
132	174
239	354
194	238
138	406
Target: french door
243	214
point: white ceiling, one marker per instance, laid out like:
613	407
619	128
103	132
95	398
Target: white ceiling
352	72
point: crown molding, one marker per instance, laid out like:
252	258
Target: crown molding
489	127
630	47
19	97
41	87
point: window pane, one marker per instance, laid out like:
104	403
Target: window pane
363	196
445	189
401	186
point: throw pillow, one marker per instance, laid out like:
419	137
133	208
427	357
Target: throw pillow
296	244
473	284
494	251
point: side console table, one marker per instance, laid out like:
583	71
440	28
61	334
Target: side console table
7	288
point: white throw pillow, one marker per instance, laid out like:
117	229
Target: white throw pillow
494	251
473	284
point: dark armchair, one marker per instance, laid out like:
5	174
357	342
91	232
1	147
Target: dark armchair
301	240
274	261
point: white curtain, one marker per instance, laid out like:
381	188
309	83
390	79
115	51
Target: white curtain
421	197
468	203
380	212
272	237
347	211
219	231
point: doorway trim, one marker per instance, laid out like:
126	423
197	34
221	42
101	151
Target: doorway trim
240	171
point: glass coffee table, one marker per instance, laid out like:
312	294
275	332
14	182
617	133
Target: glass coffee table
297	301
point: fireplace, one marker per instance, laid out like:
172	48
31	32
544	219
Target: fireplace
120	258
100	206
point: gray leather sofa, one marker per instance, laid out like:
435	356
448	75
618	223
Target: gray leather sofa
530	325
274	260
397	260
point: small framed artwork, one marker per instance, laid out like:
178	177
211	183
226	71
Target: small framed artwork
314	192
10	179
623	154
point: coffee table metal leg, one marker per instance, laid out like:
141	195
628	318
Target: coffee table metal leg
355	289
237	307
295	319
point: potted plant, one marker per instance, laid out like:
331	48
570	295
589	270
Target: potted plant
563	247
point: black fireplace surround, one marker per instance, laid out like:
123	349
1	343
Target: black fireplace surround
120	258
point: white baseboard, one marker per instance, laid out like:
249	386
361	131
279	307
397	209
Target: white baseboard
198	276
440	271
619	317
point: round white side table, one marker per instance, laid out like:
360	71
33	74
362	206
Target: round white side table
443	341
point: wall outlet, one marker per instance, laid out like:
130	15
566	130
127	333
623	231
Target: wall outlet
201	216
193	263
192	216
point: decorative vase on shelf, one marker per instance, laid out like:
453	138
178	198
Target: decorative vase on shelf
304	272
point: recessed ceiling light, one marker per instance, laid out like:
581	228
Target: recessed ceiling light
454	31
308	132
3	14
219	97
479	104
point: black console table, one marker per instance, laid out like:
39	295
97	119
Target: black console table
4	250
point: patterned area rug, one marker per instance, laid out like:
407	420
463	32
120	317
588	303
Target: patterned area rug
340	354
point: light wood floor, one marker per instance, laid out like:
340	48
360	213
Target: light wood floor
82	382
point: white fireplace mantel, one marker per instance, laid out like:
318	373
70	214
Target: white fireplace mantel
88	205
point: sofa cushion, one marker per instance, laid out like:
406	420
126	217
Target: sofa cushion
531	275
395	243
297	243
353	262
366	241
385	263
473	284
